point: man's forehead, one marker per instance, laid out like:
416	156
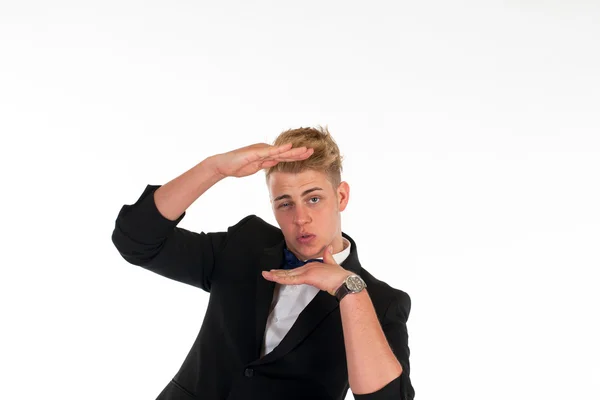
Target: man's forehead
290	183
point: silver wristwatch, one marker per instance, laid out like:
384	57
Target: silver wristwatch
352	284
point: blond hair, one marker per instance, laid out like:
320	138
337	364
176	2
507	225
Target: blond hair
326	157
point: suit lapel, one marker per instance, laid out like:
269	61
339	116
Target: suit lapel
319	307
272	258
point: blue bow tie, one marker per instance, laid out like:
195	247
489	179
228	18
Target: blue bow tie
291	261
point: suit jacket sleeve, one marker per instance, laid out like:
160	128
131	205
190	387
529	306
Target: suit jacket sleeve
144	237
394	327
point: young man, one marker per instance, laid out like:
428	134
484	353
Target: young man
275	327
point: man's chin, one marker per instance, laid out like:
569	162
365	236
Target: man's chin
313	249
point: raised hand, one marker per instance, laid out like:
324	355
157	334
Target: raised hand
251	159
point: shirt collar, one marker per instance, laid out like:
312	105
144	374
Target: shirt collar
342	255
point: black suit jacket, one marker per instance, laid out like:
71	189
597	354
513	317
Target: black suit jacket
224	361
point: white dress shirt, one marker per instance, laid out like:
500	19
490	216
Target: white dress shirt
288	302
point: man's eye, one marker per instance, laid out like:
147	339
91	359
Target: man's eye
283	205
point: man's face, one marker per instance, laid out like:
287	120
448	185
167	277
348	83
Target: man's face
306	203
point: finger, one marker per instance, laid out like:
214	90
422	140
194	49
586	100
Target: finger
266	153
298	152
269	163
295	152
282	278
274	150
292	156
290	272
271	277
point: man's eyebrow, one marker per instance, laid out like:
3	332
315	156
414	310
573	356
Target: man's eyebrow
287	196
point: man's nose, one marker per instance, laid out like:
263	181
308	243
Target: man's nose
302	216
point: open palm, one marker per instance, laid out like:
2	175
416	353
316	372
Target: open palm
251	159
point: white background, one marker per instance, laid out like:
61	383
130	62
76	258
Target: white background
470	134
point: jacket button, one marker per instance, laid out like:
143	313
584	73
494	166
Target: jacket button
249	372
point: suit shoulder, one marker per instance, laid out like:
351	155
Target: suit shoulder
260	223
383	287
258	232
383	294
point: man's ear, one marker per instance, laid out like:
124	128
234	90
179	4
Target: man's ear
343	195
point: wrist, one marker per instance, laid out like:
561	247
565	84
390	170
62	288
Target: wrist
212	164
340	283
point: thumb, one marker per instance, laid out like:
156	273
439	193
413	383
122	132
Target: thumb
328	255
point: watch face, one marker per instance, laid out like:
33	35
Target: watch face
355	284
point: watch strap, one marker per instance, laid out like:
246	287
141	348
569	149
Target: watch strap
341	292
